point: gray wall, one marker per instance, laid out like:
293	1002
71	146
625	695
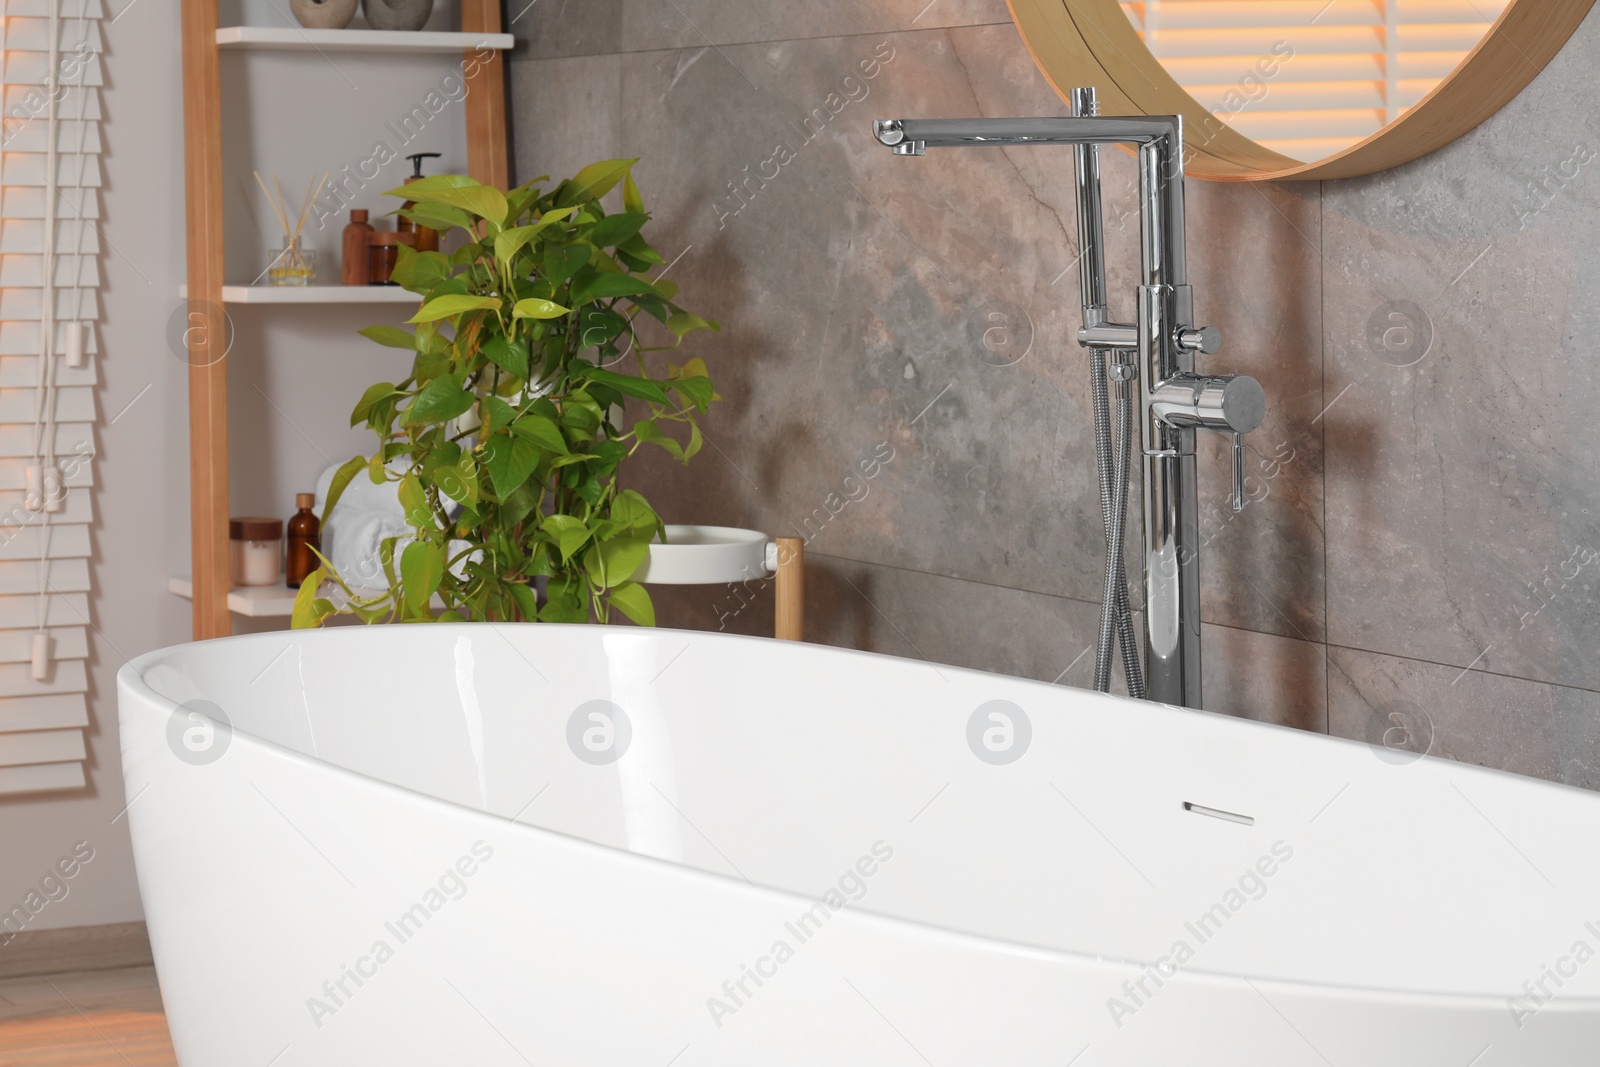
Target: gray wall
1427	551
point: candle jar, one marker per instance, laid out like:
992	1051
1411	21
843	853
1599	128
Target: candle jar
383	252
255	551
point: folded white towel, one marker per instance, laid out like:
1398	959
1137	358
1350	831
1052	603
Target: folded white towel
367	514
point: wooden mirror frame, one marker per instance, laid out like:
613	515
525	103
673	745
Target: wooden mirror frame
1091	42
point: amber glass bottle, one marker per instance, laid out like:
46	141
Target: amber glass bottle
354	265
303	531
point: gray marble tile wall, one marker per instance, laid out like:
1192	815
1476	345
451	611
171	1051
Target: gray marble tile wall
1427	554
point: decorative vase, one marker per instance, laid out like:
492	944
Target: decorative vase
397	14
324	14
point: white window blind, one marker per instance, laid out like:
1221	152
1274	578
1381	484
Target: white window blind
50	244
1353	67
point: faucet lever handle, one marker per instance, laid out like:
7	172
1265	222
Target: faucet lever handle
1207	339
1239	499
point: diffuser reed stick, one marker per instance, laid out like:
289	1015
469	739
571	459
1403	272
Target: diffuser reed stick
291	264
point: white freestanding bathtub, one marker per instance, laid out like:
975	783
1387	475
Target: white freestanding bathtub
486	845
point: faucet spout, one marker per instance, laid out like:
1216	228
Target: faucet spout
892	134
1068	130
1158	138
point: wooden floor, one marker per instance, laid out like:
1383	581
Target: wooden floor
84	1019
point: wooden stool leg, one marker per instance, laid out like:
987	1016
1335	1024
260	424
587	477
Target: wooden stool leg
791	590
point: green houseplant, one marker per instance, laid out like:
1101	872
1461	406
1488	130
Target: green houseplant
507	437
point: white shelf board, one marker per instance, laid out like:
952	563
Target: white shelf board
292	38
257	601
265	601
312	294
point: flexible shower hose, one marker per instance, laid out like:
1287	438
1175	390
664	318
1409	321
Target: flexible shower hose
1111	465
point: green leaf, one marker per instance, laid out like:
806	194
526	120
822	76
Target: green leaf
683	322
599	326
615	229
309	609
523	197
460	483
632	600
569	532
631	200
697	391
554	524
628	385
444	454
638	254
374	394
440	401
527	603
565	601
510	461
594	181
632	510
441	217
414	502
434	183
420	272
620	557
509	355
562	261
647	431
535	308
390	337
341	481
421	570
509	242
518	505
459	191
451	305
497	414
542	432
590	284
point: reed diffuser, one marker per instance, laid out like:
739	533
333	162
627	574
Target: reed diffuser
293	264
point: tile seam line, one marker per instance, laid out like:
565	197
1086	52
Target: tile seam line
522	57
1219	625
1039	592
1463	669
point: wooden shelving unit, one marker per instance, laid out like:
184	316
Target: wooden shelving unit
488	160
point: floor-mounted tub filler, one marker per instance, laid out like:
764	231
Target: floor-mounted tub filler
1154	356
481	844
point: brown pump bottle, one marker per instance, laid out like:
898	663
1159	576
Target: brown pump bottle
427	240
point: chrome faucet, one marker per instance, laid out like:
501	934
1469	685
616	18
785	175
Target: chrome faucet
1157	350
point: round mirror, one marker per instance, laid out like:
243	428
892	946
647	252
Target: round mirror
1306	89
